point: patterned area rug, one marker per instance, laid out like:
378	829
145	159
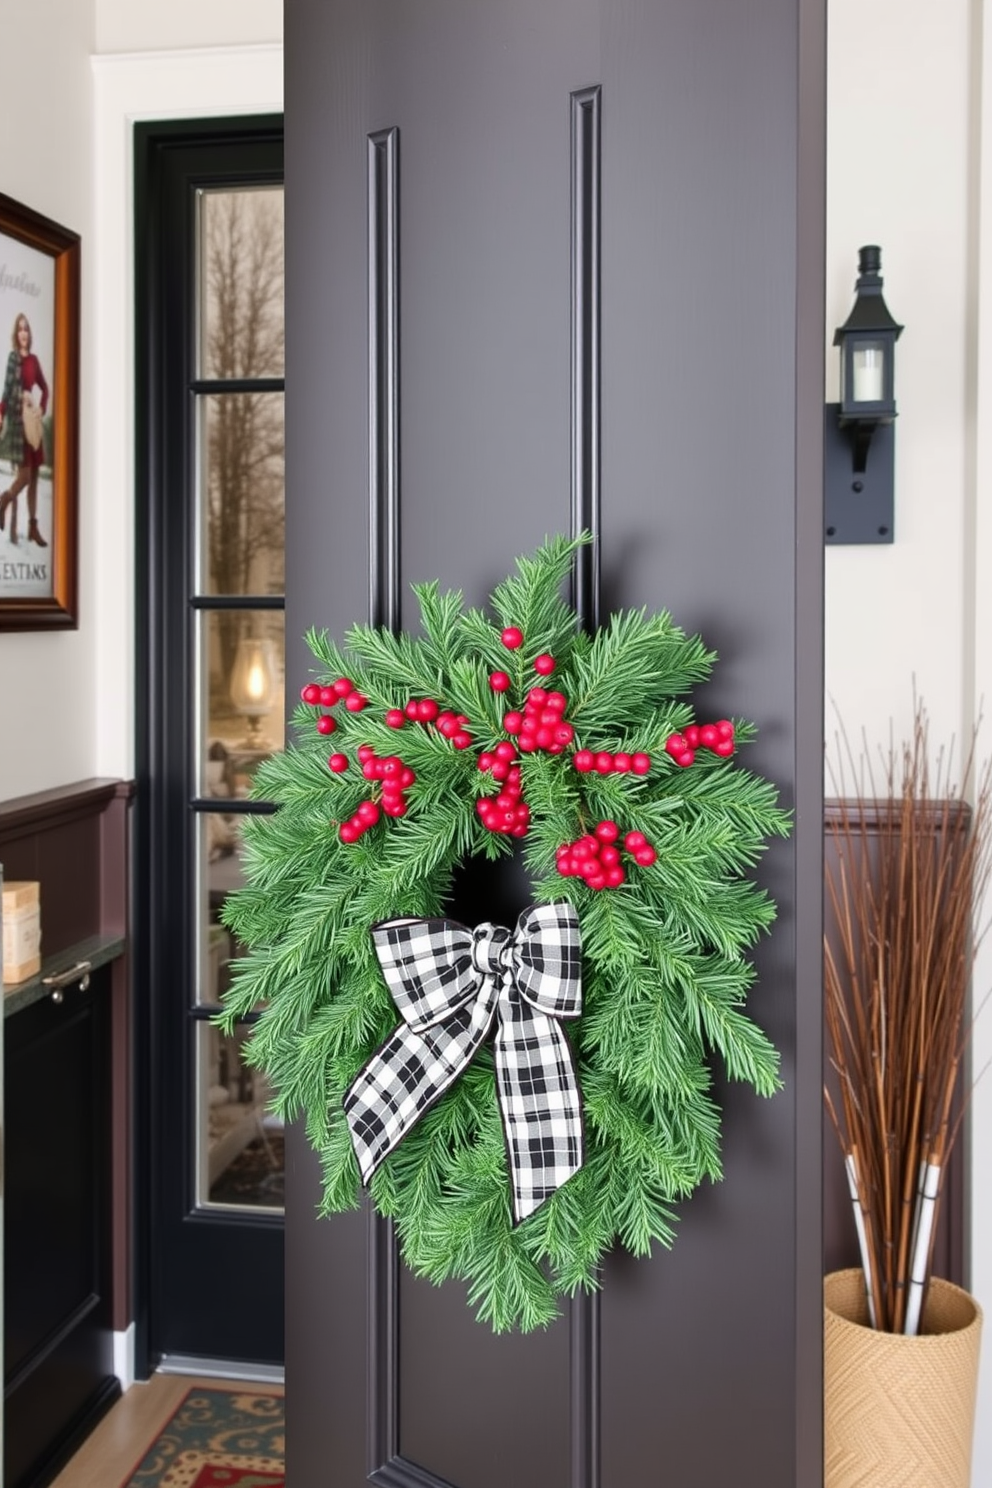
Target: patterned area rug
218	1439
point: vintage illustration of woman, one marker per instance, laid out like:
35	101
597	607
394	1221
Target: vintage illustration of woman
21	440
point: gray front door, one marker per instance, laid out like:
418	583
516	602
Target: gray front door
599	224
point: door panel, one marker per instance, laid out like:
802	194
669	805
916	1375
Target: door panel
594	336
211	706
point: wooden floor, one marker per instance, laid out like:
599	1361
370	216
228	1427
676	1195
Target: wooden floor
120	1440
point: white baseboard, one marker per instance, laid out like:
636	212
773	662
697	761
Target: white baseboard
223	1369
124	1357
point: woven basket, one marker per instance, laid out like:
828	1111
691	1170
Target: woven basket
899	1412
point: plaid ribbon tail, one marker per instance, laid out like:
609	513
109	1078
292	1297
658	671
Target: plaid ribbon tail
408	1074
540	1103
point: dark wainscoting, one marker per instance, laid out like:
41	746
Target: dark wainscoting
68	1126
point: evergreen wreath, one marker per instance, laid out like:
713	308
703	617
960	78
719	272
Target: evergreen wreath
448	746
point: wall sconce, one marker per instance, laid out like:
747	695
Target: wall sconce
251	684
858	437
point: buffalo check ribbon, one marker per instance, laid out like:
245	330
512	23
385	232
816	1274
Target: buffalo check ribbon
450	983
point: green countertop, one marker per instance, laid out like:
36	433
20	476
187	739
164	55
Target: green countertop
97	950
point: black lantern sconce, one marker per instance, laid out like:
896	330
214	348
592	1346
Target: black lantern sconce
859	438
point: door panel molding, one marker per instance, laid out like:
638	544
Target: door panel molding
384	391
586	213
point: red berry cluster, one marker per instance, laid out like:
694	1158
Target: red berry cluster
716	736
542	724
396	778
604	763
329	697
596	857
506	812
426	710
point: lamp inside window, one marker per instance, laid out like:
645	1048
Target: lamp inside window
252	684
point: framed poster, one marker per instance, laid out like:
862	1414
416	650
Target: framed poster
39	420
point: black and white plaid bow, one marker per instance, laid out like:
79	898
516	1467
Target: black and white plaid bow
449	983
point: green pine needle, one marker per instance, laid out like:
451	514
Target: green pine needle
666	969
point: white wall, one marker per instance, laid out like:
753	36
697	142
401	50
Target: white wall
154	25
910	168
48	707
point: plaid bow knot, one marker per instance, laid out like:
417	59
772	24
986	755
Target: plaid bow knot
449	984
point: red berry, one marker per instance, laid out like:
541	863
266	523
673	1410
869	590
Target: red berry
506	751
544	664
365	752
391	766
635	840
597	881
609	856
328	697
691	735
640	763
607	831
486	760
621	763
370	769
514	774
499	681
614	877
408	778
501	770
427	710
348	832
411	710
564	734
675	744
447	724
355	702
545	737
584	760
461	739
725	748
645	856
338	762
343	686
686	758
395	806
725	728
556	701
527	743
396	718
391	789
536	698
326	724
512	638
368	813
564	866
604	763
512	722
311	693
708	735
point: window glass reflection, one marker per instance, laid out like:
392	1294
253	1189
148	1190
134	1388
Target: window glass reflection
242	697
241	281
242	493
240	1158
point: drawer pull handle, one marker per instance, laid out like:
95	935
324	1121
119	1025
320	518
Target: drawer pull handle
79	973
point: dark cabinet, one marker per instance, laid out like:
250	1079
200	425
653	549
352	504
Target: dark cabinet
58	1342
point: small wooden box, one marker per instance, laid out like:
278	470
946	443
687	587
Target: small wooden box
21	930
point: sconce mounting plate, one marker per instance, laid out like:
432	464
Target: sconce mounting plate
858	507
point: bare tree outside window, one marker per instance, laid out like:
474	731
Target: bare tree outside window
242	337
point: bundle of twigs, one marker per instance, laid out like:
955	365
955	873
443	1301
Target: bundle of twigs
910	870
